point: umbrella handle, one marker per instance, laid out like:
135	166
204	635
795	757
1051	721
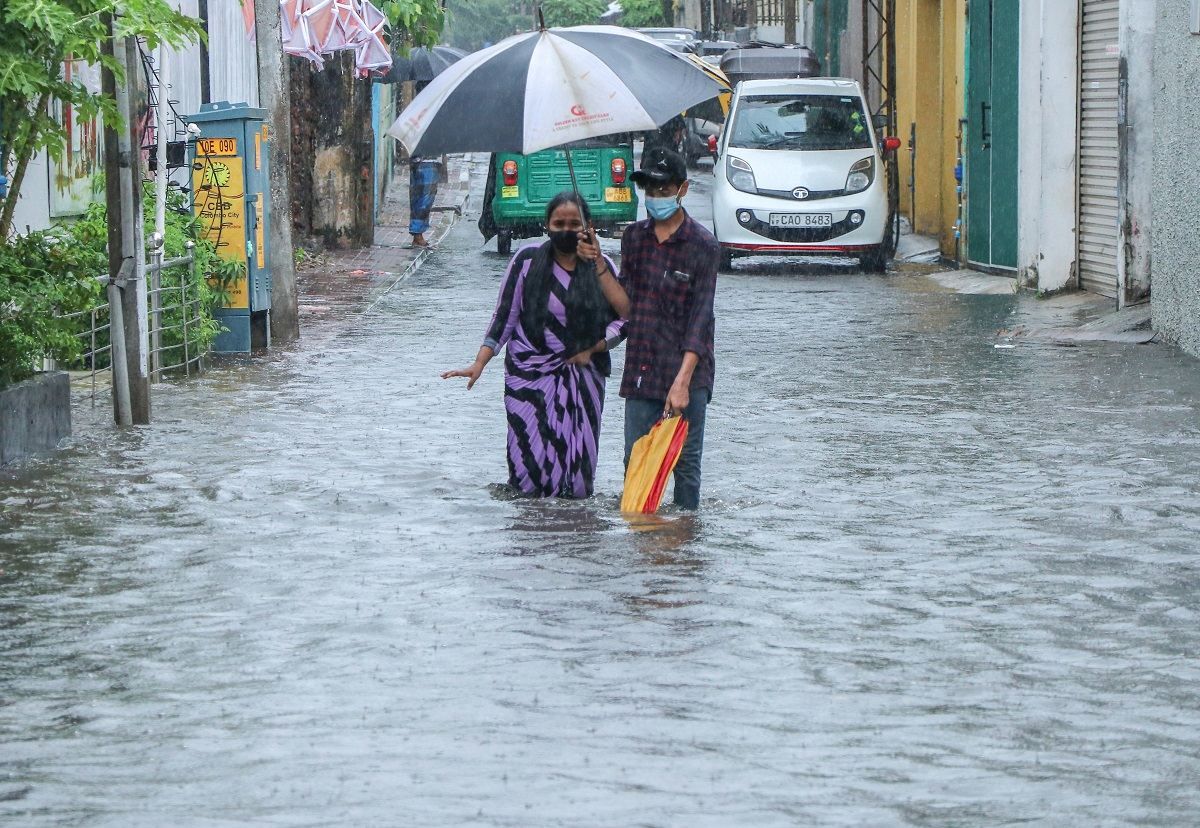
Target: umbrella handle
570	166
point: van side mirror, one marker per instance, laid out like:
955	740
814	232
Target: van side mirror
891	144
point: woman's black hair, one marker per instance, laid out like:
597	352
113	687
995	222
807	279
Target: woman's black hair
588	312
569	197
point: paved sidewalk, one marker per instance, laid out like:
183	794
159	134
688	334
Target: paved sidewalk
1067	318
336	283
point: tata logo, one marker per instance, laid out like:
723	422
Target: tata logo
800	193
578	111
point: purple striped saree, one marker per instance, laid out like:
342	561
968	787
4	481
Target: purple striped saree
553	408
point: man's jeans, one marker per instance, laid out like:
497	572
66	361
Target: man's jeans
640	417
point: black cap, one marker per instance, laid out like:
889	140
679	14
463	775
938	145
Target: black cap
661	166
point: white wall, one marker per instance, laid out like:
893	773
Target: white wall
772	33
688	15
184	69
1137	148
1048	144
33	202
1175	303
232	56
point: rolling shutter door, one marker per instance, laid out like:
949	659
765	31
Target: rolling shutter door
1098	156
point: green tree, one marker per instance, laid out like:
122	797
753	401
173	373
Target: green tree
573	12
36	38
414	22
639	13
473	24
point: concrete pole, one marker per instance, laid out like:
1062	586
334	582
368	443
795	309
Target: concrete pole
127	270
133	245
273	96
789	20
116	238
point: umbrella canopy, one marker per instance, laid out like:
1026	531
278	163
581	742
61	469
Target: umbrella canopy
551	87
422	64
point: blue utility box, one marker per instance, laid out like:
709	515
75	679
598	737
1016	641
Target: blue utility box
230	163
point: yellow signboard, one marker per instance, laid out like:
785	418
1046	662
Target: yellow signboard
617	194
510	192
220	190
257	151
216	146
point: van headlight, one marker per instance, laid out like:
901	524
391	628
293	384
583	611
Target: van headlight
740	176
861	175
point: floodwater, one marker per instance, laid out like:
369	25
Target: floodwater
932	583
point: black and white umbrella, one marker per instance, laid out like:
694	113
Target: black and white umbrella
546	88
422	64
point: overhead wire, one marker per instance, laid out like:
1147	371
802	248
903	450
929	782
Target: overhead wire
153	89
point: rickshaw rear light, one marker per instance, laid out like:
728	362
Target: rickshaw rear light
618	170
510	173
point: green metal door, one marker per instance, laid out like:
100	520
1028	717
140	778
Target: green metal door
992	67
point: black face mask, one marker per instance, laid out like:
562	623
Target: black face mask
564	241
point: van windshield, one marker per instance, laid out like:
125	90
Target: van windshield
804	122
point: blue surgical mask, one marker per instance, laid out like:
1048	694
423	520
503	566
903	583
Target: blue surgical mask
661	208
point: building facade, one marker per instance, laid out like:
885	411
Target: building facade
930	54
1046	139
1175	303
1028	129
1087	146
227	69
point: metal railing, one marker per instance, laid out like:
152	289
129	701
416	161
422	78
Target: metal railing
189	313
183	301
99	324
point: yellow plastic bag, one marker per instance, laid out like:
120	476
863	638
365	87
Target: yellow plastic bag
650	465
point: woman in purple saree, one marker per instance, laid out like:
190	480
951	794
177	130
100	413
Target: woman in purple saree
560	306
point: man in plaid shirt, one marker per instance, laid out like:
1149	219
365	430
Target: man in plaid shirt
669	269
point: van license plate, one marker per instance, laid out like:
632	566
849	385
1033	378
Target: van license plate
801	219
617	194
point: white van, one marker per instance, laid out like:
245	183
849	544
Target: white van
800	171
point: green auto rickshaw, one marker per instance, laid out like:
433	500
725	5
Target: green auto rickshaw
520	186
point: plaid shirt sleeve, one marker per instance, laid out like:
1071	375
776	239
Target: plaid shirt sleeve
616	333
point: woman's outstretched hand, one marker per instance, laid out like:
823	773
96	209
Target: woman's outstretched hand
471	373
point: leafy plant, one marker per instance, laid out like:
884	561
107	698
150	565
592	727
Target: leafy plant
209	281
47	275
414	22
40	281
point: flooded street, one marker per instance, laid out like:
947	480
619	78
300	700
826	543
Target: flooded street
933	582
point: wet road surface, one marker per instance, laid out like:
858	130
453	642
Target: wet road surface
933	583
